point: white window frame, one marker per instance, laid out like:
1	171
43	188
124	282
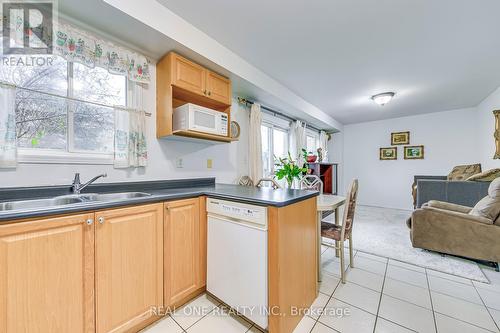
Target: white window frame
275	123
315	135
71	155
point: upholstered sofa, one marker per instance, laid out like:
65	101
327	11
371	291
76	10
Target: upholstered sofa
460	230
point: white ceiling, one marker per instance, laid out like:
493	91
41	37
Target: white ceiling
435	54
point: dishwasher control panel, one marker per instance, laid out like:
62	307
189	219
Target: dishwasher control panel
237	211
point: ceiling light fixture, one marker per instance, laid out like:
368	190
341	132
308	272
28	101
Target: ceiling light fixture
383	98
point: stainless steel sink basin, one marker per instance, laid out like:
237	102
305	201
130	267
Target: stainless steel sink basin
119	196
68	200
37	203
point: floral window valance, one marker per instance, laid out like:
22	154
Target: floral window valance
77	46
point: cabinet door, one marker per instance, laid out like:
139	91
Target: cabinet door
218	88
188	75
129	266
183	256
47	275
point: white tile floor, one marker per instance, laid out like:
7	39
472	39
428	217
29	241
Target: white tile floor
381	296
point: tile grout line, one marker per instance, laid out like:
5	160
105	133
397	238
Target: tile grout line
430	296
185	329
465	322
487	309
329	299
380	298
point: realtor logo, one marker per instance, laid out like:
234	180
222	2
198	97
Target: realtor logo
27	27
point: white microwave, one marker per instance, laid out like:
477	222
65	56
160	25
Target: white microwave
192	117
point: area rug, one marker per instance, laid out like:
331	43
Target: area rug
383	232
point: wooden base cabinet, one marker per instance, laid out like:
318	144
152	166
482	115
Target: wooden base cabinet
47	275
129	266
184	250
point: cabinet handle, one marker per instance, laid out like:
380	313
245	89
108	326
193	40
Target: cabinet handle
209	93
205	91
90	221
101	220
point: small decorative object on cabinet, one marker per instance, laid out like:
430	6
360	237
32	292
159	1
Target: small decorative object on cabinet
180	81
414	152
497	134
235	130
400	138
389	153
320	155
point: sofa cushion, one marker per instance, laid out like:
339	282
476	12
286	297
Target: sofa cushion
486	176
462	172
494	188
489	206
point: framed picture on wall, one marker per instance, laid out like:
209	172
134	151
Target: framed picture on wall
400	138
390	153
414	152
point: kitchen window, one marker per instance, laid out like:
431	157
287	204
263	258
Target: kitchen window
312	141
50	127
274	145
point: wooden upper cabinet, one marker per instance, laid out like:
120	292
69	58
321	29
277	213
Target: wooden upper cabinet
129	266
188	75
184	261
47	275
218	87
180	81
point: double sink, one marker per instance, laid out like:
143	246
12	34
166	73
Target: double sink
69	200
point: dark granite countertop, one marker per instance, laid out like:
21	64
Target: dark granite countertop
159	190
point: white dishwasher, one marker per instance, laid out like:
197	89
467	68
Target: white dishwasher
237	257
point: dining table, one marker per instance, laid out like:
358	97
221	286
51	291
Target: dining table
327	202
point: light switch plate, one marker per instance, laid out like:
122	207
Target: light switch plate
179	163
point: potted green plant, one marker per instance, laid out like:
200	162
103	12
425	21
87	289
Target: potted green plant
288	169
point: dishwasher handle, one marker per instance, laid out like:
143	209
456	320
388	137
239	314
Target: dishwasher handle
257	226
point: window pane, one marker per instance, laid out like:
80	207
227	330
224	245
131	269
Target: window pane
41	121
98	85
49	75
267	159
93	128
311	144
94	125
280	143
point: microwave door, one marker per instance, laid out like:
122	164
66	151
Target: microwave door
204	122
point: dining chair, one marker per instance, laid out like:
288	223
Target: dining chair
245	181
340	233
311	182
274	184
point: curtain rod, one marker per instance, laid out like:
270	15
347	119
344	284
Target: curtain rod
148	114
274	112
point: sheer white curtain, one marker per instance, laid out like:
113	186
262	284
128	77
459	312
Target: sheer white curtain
255	143
130	131
297	141
323	144
8	146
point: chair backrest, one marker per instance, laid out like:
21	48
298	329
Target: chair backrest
274	184
311	182
245	181
350	207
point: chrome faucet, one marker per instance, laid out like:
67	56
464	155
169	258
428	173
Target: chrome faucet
77	187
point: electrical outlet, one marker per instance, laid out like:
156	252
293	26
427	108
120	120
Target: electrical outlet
209	163
179	163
